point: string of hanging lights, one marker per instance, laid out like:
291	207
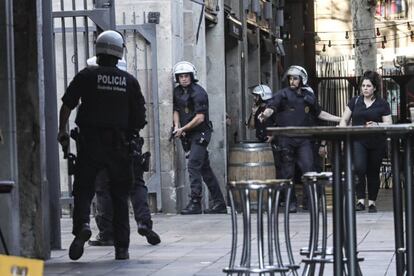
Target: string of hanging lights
358	43
377	29
376	33
369	40
362	39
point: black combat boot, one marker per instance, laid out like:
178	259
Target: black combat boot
305	204
121	253
145	229
76	247
193	208
217	208
101	240
292	207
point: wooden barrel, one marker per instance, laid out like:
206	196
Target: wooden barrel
249	161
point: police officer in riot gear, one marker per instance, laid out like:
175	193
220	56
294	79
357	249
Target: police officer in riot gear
138	193
295	105
111	107
262	94
192	126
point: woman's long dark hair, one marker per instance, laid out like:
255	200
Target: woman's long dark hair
375	79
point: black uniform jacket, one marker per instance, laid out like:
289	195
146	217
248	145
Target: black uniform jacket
110	98
295	108
188	103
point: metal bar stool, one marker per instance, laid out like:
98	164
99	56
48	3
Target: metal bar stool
268	198
5	188
315	184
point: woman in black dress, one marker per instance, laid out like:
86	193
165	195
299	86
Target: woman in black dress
370	110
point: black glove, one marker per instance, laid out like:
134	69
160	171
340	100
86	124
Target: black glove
63	139
309	99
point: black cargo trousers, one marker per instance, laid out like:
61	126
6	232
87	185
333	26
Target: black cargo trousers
199	168
138	195
100	149
294	151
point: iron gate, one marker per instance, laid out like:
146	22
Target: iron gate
75	31
338	83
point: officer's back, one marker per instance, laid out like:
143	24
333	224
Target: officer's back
107	95
111	107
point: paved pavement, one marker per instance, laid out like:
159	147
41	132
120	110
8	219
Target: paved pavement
200	245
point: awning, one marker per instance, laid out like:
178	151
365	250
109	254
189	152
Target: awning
235	28
210	17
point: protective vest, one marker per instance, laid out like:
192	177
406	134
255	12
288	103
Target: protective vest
295	109
188	102
110	98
